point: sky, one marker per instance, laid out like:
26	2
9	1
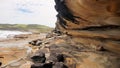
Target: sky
28	12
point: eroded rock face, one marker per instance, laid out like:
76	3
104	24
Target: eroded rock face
97	21
88	35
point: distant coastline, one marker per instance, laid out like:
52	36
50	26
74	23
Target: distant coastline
34	28
10	30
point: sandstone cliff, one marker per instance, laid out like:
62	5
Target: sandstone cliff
87	35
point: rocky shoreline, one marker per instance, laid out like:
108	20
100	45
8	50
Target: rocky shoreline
15	52
81	39
87	36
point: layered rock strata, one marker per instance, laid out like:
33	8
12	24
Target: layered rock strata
96	20
87	35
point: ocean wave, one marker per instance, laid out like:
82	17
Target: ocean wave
4	34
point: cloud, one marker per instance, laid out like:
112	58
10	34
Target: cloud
24	10
28	12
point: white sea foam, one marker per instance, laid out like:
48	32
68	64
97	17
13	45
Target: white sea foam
4	34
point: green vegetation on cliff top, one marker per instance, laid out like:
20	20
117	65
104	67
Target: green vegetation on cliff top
35	28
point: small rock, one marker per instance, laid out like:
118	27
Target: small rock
36	42
39	58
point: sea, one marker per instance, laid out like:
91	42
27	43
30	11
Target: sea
4	34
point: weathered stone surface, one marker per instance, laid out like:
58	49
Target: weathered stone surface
89	35
94	20
76	55
11	56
